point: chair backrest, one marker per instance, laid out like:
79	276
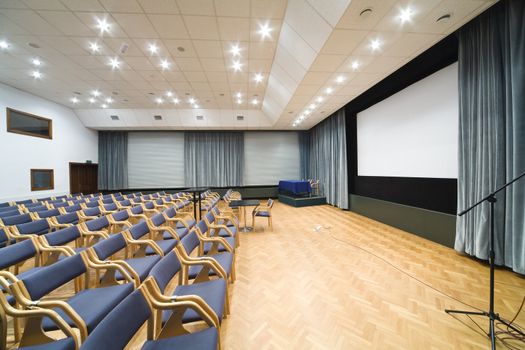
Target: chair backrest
139	230
210	217
119	198
202	226
170	212
158	220
73	208
125	203
48	213
15	253
120	215
67	218
136	200
110	206
77	201
17	219
26	202
60	205
53	276
164	271
63	236
3	238
137	209
93	204
107	247
270	203
98	224
56	201
107	200
120	325
12	212
37	227
92	211
190	242
5	205
37	208
149	205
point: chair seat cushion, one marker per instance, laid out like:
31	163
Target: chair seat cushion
230	240
265	214
141	266
213	292
203	340
182	231
166	246
92	305
224	259
62	344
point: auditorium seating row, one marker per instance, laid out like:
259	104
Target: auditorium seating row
122	262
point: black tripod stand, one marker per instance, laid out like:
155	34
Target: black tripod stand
493	316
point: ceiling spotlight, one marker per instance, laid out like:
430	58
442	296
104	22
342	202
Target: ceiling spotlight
191	100
406	15
74	100
264	30
159	100
301	118
375	44
36	62
258	77
114	63
313	106
169	93
340	79
92	100
306	112
255	101
355	65
104	106
236	66
4	44
109	100
103	25
95	93
94	47
239	95
195	106
165	64
36	74
239	101
235	50
319	99
176	101
329	90
153	48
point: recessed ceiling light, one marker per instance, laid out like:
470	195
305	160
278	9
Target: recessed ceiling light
313	106
302	117
355	65
95	93
36	74
169	93
235	50
114	63
319	99
405	15
445	18
366	13
176	101
340	79
92	100
153	48
258	77
165	64
239	95
195	106
264	30
109	100
104	105
236	66
181	49
329	90
74	100
4	44
103	25
36	62
191	100
159	100
255	101
239	101
94	47
307	111
375	44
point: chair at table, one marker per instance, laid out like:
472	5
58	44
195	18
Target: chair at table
314	184
264	211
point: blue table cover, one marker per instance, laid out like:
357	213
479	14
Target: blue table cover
295	186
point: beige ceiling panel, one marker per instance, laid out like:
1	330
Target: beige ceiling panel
195	76
409	43
273	9
83	5
127	6
8	27
217	77
63	45
173	76
208	48
30	21
66	22
88	62
234	29
259	66
262	50
116	45
383	64
169	26
43	4
352	18
305	89
180	48
159	6
327	63
318	78
203	28
343	42
213	64
386	39
136	25
232	8
196	7
238	77
139	63
189	64
181	87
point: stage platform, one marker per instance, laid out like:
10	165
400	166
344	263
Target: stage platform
301	201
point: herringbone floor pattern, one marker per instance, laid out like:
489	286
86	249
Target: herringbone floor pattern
331	279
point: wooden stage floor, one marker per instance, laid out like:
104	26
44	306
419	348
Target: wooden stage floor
331	279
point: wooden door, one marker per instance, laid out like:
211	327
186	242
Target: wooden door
83	178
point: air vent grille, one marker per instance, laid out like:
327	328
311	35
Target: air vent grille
240	117
157	117
200	117
114	117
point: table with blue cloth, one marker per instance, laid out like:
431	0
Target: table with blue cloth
295	187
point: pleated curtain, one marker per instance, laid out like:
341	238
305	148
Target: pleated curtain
112	160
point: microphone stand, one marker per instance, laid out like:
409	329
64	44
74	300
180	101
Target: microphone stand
491	314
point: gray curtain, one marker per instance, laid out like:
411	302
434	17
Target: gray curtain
304	154
492	132
112	160
214	158
325	158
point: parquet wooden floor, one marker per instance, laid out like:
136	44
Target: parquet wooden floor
331	279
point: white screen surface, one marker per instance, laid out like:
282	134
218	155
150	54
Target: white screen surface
155	159
270	157
413	133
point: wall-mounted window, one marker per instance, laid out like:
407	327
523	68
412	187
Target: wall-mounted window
28	124
42	179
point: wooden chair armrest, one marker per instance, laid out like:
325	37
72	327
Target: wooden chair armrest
224	227
220	240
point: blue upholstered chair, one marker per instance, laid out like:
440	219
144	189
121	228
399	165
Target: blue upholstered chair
213	244
62	238
148	242
84	310
119	327
99	226
264	211
16	220
5	238
11	212
225	217
48	213
176	220
148	207
37	208
89	214
220	229
28	229
70	208
65	220
160	228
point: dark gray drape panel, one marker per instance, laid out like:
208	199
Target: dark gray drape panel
326	160
492	132
112	160
214	158
304	154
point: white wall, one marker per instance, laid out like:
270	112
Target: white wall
72	142
413	133
270	157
